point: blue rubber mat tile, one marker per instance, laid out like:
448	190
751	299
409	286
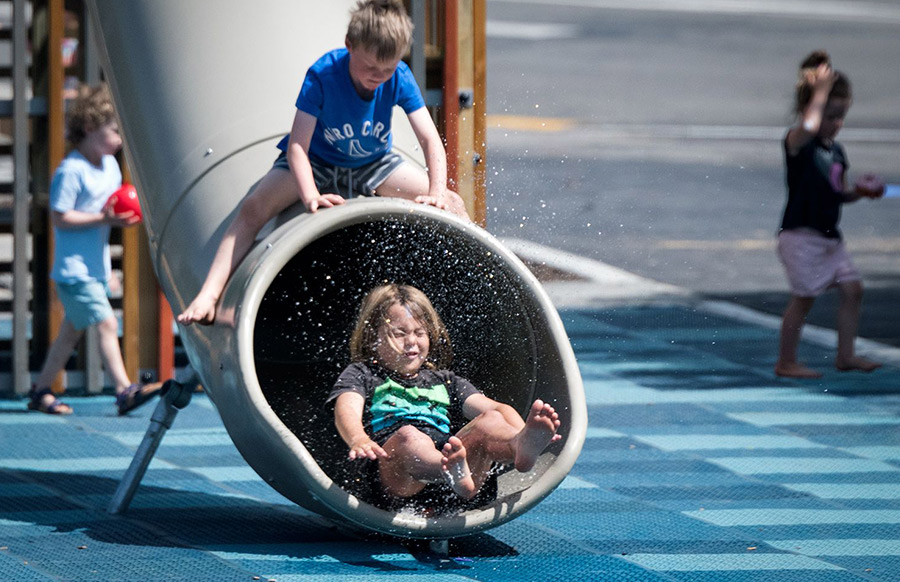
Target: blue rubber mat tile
766	576
606	445
736	545
660	415
837	478
728	430
850	491
721	562
787	465
823	405
861	435
610	480
685	465
875	531
583	495
702	493
16	568
868	503
215	457
653	525
586	568
841	547
11	506
812	453
878	567
8	489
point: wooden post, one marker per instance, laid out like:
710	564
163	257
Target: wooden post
450	105
56	144
166	358
479	42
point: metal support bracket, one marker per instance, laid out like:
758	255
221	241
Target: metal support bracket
175	396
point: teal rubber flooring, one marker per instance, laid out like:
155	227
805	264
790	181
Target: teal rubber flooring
699	465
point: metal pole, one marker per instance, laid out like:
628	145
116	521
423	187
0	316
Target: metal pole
21	375
175	397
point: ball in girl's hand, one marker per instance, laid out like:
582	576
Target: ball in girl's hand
125	200
870	185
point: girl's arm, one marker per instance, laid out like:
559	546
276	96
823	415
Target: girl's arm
479	403
72	219
348	411
866	186
435	155
298	160
821	81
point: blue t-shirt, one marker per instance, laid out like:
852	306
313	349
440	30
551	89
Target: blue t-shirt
82	254
352	131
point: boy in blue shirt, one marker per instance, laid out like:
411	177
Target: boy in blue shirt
81	220
340	142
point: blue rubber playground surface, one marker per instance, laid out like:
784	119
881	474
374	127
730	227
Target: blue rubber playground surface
699	466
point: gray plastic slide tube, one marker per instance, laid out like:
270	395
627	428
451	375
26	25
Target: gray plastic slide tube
204	90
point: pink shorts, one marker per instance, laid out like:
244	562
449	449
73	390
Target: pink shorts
814	263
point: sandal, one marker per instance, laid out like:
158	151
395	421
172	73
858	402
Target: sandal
56	406
135	395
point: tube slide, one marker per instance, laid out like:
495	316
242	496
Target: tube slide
204	91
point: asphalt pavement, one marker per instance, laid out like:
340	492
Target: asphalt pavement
646	135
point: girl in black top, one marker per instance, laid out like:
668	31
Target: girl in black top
809	243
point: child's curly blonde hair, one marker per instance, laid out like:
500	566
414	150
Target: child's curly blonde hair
91	108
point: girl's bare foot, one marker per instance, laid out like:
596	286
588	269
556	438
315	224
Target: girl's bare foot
202	310
540	430
856	363
456	469
795	370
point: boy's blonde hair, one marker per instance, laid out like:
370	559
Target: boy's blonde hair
380	26
373	313
91	108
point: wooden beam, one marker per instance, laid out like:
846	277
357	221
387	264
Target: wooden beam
479	39
450	105
56	143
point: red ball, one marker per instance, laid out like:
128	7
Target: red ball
125	199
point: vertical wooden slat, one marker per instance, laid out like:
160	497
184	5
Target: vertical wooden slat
56	142
166	339
450	105
21	374
131	308
479	39
465	128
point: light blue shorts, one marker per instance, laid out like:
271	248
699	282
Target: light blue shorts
86	302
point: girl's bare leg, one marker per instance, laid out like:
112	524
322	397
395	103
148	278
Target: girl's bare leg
413	461
456	469
791	328
540	430
847	327
494	436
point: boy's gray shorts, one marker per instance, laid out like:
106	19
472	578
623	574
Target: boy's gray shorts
349	182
